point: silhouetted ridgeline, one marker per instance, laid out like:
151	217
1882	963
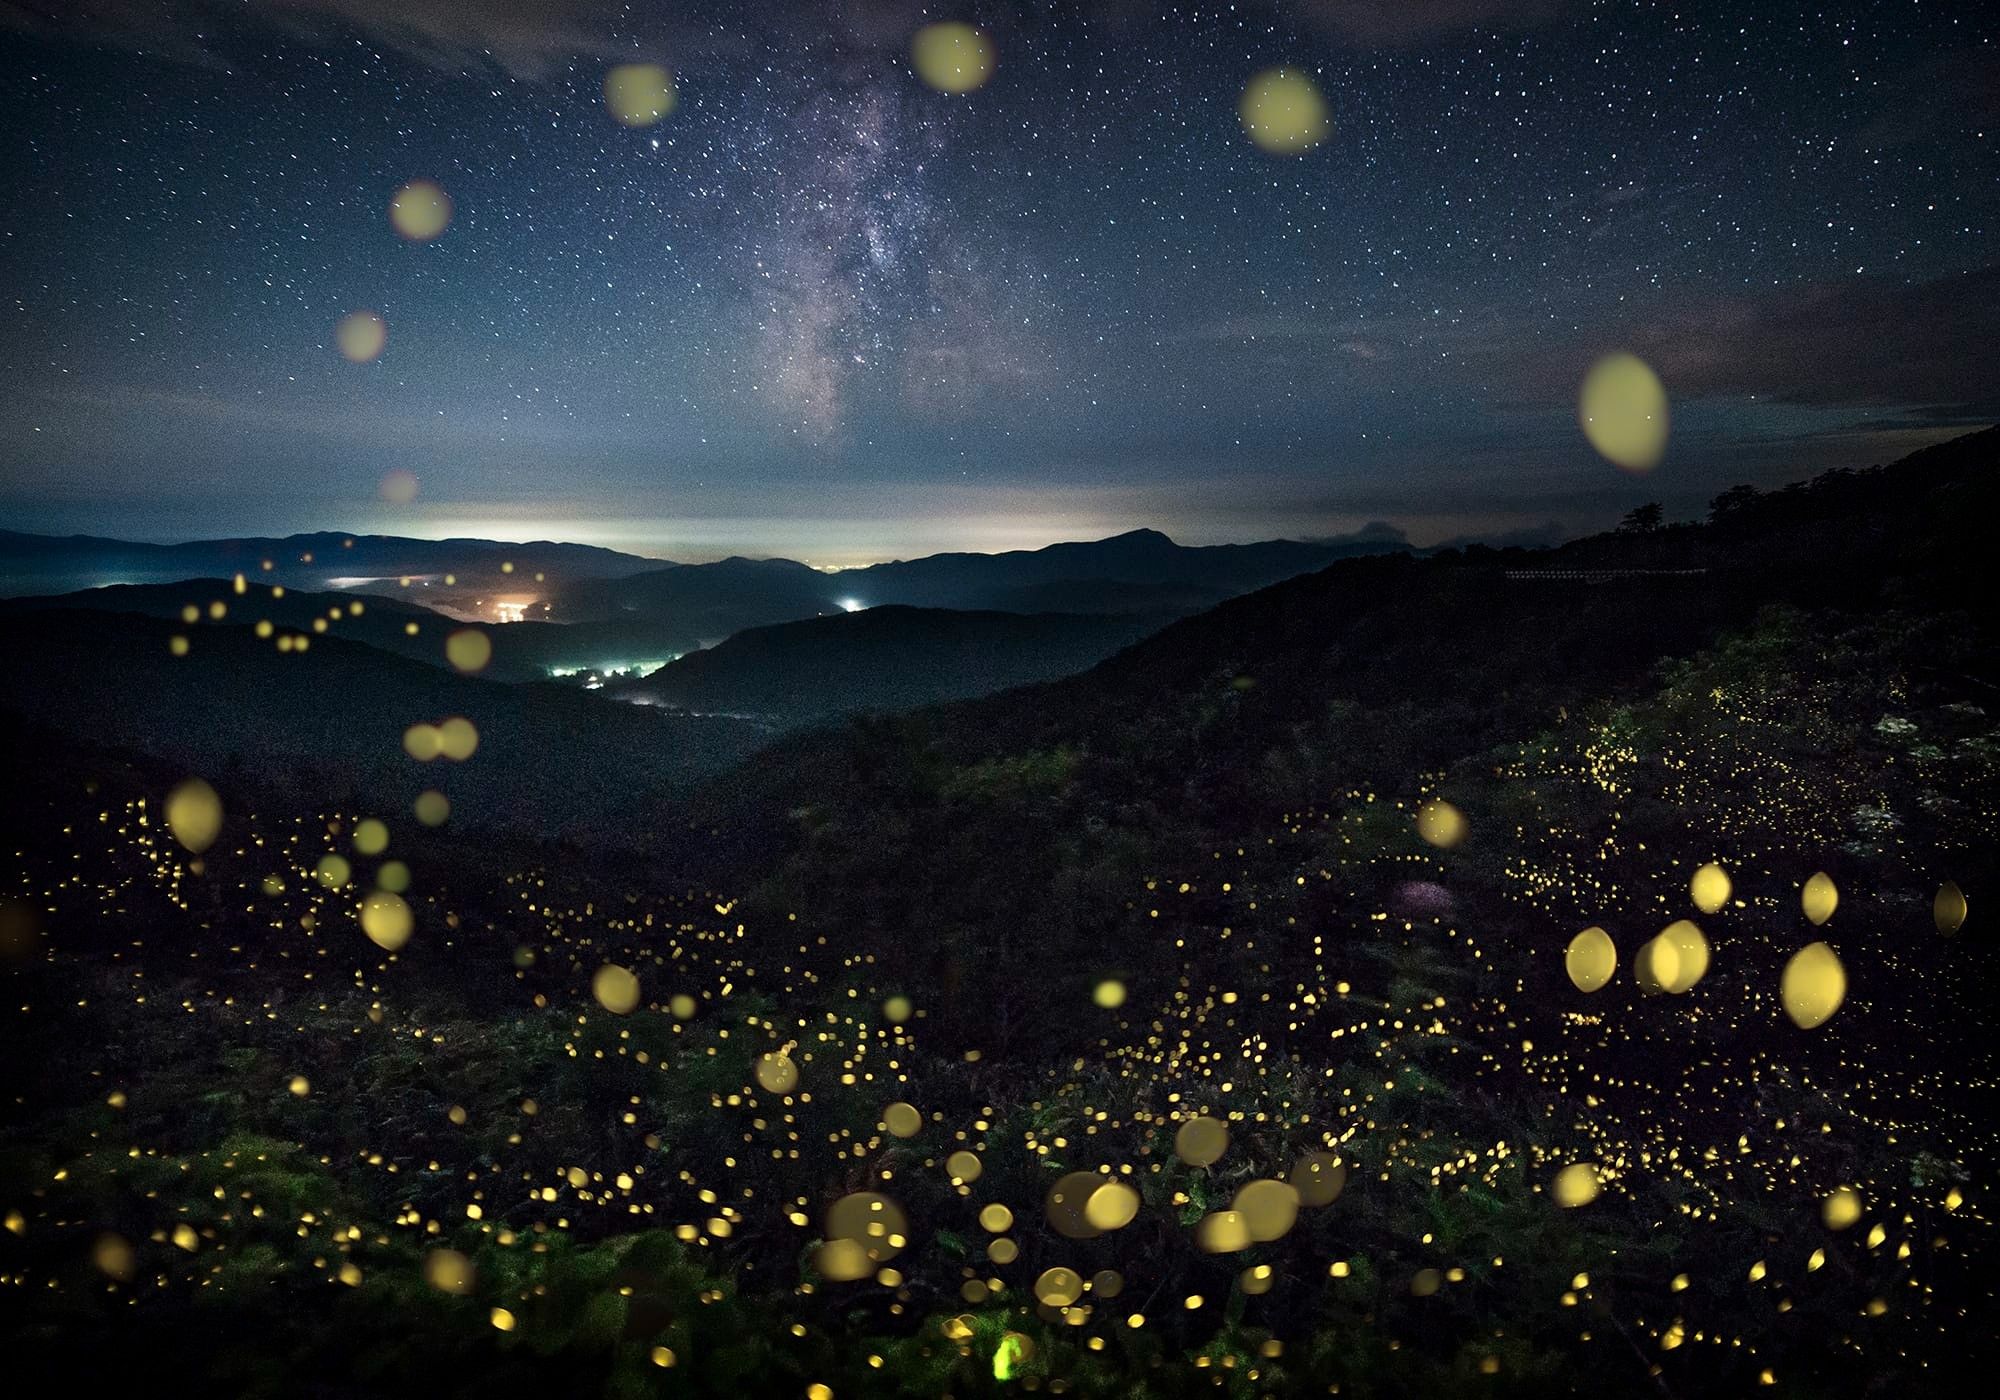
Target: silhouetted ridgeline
1466	654
327	724
1357	678
881	659
41	564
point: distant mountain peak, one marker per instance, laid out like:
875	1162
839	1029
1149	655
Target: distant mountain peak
1145	536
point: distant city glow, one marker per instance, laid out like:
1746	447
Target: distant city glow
514	609
852	604
612	668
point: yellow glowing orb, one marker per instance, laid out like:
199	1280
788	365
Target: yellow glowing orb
448	1271
1813	986
963	1166
1948	909
1710	888
1067	1205
194	815
20	932
902	1120
468	649
1269	1208
777	1072
952	57
300	1086
995	1217
1591	960
458	738
114	1257
1059	1287
1676	959
371	837
871	1220
1110	994
432	807
1112	1206
1841	1208
386	919
1819	898
1283	112
393	876
1318	1177
360	336
1222	1232
1201	1141
897	1010
843	1261
616	989
334	872
1440	823
1623	411
1655	964
639	94
420	210
1576	1185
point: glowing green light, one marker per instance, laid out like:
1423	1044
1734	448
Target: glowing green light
1011	1352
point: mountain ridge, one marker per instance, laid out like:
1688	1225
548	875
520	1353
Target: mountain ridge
883	659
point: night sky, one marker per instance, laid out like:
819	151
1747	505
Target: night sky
821	309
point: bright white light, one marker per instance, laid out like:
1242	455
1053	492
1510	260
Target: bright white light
852	604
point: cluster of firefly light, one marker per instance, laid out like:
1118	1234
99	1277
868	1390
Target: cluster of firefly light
1194	1059
1202	1076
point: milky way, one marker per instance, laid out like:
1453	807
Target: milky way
1077	294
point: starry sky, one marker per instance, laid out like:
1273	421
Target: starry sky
823	310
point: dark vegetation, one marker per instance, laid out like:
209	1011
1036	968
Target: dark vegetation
993	821
1218	817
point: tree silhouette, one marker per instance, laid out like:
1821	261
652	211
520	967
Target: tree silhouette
1732	502
1650	516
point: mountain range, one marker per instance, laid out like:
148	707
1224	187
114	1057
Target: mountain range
1299	875
42	564
571	609
882	659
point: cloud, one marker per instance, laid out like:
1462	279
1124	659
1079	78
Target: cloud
528	38
1374	532
1860	340
1920	351
535	38
1397	23
525	37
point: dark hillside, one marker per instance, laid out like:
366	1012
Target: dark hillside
328	723
1362	678
880	659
